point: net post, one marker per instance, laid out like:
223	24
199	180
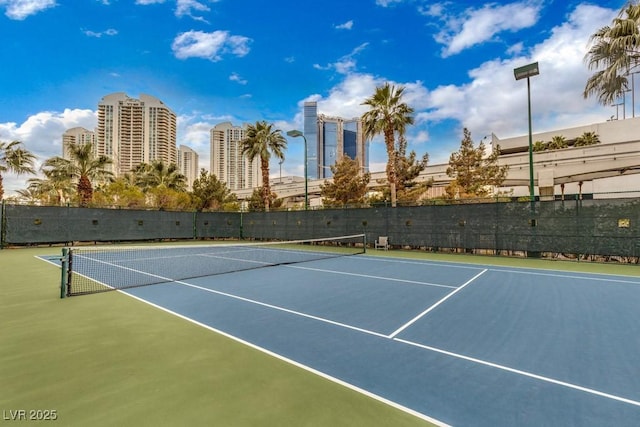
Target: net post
64	279
364	243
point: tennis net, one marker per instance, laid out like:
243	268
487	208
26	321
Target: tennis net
88	270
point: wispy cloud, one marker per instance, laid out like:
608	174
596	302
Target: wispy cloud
345	64
387	3
211	46
109	32
235	77
21	9
346	26
477	26
191	8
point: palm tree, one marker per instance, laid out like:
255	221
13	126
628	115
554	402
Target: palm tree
614	52
158	174
14	158
260	141
558	142
587	138
387	115
83	167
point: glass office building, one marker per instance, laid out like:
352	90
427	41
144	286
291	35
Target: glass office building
329	138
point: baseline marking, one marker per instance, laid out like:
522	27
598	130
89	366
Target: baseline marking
520	372
424	313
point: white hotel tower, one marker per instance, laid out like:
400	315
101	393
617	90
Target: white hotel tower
227	162
133	131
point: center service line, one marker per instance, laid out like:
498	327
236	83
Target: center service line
424	313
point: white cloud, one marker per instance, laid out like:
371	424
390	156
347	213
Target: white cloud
198	44
41	134
235	77
187	8
477	26
387	3
347	63
109	32
346	26
494	102
21	9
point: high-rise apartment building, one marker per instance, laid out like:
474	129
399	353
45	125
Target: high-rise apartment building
329	138
188	164
77	136
228	163
134	131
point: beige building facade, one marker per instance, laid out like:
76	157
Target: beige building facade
228	163
77	136
188	164
133	131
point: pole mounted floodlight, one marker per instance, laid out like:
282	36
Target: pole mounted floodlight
296	134
525	72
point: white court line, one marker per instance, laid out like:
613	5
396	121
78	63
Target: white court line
424	313
295	363
587	276
392	337
390	279
286	310
520	372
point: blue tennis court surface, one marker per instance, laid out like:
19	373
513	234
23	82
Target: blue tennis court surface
457	344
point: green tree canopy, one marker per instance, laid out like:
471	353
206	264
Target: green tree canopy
14	158
84	167
387	116
473	172
159	174
614	53
211	193
348	186
261	140
256	202
408	168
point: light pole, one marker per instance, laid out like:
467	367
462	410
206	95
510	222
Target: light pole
520	73
295	134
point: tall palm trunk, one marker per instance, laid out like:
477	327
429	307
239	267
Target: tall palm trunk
1	188
85	190
266	188
390	144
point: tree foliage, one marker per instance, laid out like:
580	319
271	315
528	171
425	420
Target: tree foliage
14	158
256	202
387	116
210	193
472	172
614	52
348	186
84	168
587	138
408	168
261	141
159	174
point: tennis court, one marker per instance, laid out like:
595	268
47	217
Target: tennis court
453	343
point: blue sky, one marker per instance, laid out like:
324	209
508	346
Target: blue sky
242	61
